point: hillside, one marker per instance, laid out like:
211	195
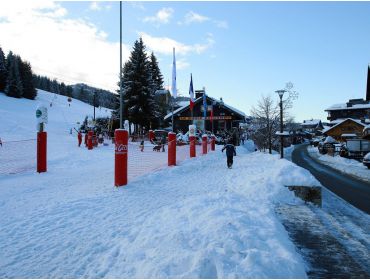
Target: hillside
18	116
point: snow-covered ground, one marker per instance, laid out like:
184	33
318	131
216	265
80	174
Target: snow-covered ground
195	220
345	165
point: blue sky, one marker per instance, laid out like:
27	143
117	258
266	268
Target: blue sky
236	50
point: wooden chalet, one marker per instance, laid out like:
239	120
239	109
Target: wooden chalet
346	127
225	117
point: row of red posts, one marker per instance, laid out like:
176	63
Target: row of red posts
121	152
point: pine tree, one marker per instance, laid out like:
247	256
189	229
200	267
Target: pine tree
155	72
3	71
14	86
138	88
25	69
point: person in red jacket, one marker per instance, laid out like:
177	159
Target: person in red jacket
79	136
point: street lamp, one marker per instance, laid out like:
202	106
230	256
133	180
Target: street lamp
281	94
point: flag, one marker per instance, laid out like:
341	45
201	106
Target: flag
191	92
205	104
173	86
211	118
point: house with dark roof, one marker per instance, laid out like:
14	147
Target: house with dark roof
225	117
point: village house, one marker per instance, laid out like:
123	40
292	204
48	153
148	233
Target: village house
355	108
220	116
348	128
312	126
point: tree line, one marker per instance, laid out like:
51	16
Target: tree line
16	77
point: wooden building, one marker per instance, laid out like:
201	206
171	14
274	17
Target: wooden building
225	117
345	127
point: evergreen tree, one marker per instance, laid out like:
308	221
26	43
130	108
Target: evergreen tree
14	86
155	72
25	69
139	105
3	71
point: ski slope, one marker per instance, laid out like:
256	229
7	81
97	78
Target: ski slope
195	220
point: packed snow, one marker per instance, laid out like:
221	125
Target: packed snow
195	220
345	165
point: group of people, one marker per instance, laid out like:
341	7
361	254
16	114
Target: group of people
79	138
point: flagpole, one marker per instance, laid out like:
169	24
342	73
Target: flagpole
205	109
174	89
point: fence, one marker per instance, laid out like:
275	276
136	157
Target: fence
18	156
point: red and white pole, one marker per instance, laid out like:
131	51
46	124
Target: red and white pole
171	149
192	146
204	144
120	157
213	143
90	140
41	151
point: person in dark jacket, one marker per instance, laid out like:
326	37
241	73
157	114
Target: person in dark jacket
230	153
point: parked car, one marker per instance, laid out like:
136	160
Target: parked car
366	160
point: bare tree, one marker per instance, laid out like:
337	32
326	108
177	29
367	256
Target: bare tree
266	113
267	118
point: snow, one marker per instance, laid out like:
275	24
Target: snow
343	106
345	165
310	122
195	220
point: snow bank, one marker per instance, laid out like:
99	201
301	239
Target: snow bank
345	165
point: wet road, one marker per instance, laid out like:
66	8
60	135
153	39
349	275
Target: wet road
352	190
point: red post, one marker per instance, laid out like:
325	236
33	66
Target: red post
171	149
213	143
41	151
204	144
120	157
192	146
151	135
90	140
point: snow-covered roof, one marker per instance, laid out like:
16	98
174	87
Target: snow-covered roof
311	122
183	103
349	135
342	121
343	106
284	133
200	98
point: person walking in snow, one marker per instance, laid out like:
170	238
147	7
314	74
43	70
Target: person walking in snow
142	146
230	153
79	137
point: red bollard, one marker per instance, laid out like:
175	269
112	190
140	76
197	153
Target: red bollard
90	140
192	146
213	143
151	135
41	151
204	144
120	157
171	149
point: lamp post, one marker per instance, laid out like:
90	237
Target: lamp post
120	68
281	94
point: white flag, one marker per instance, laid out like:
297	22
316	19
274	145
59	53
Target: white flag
173	86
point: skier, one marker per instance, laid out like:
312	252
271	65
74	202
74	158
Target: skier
230	153
1	143
79	136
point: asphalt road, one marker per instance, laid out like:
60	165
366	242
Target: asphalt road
350	189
